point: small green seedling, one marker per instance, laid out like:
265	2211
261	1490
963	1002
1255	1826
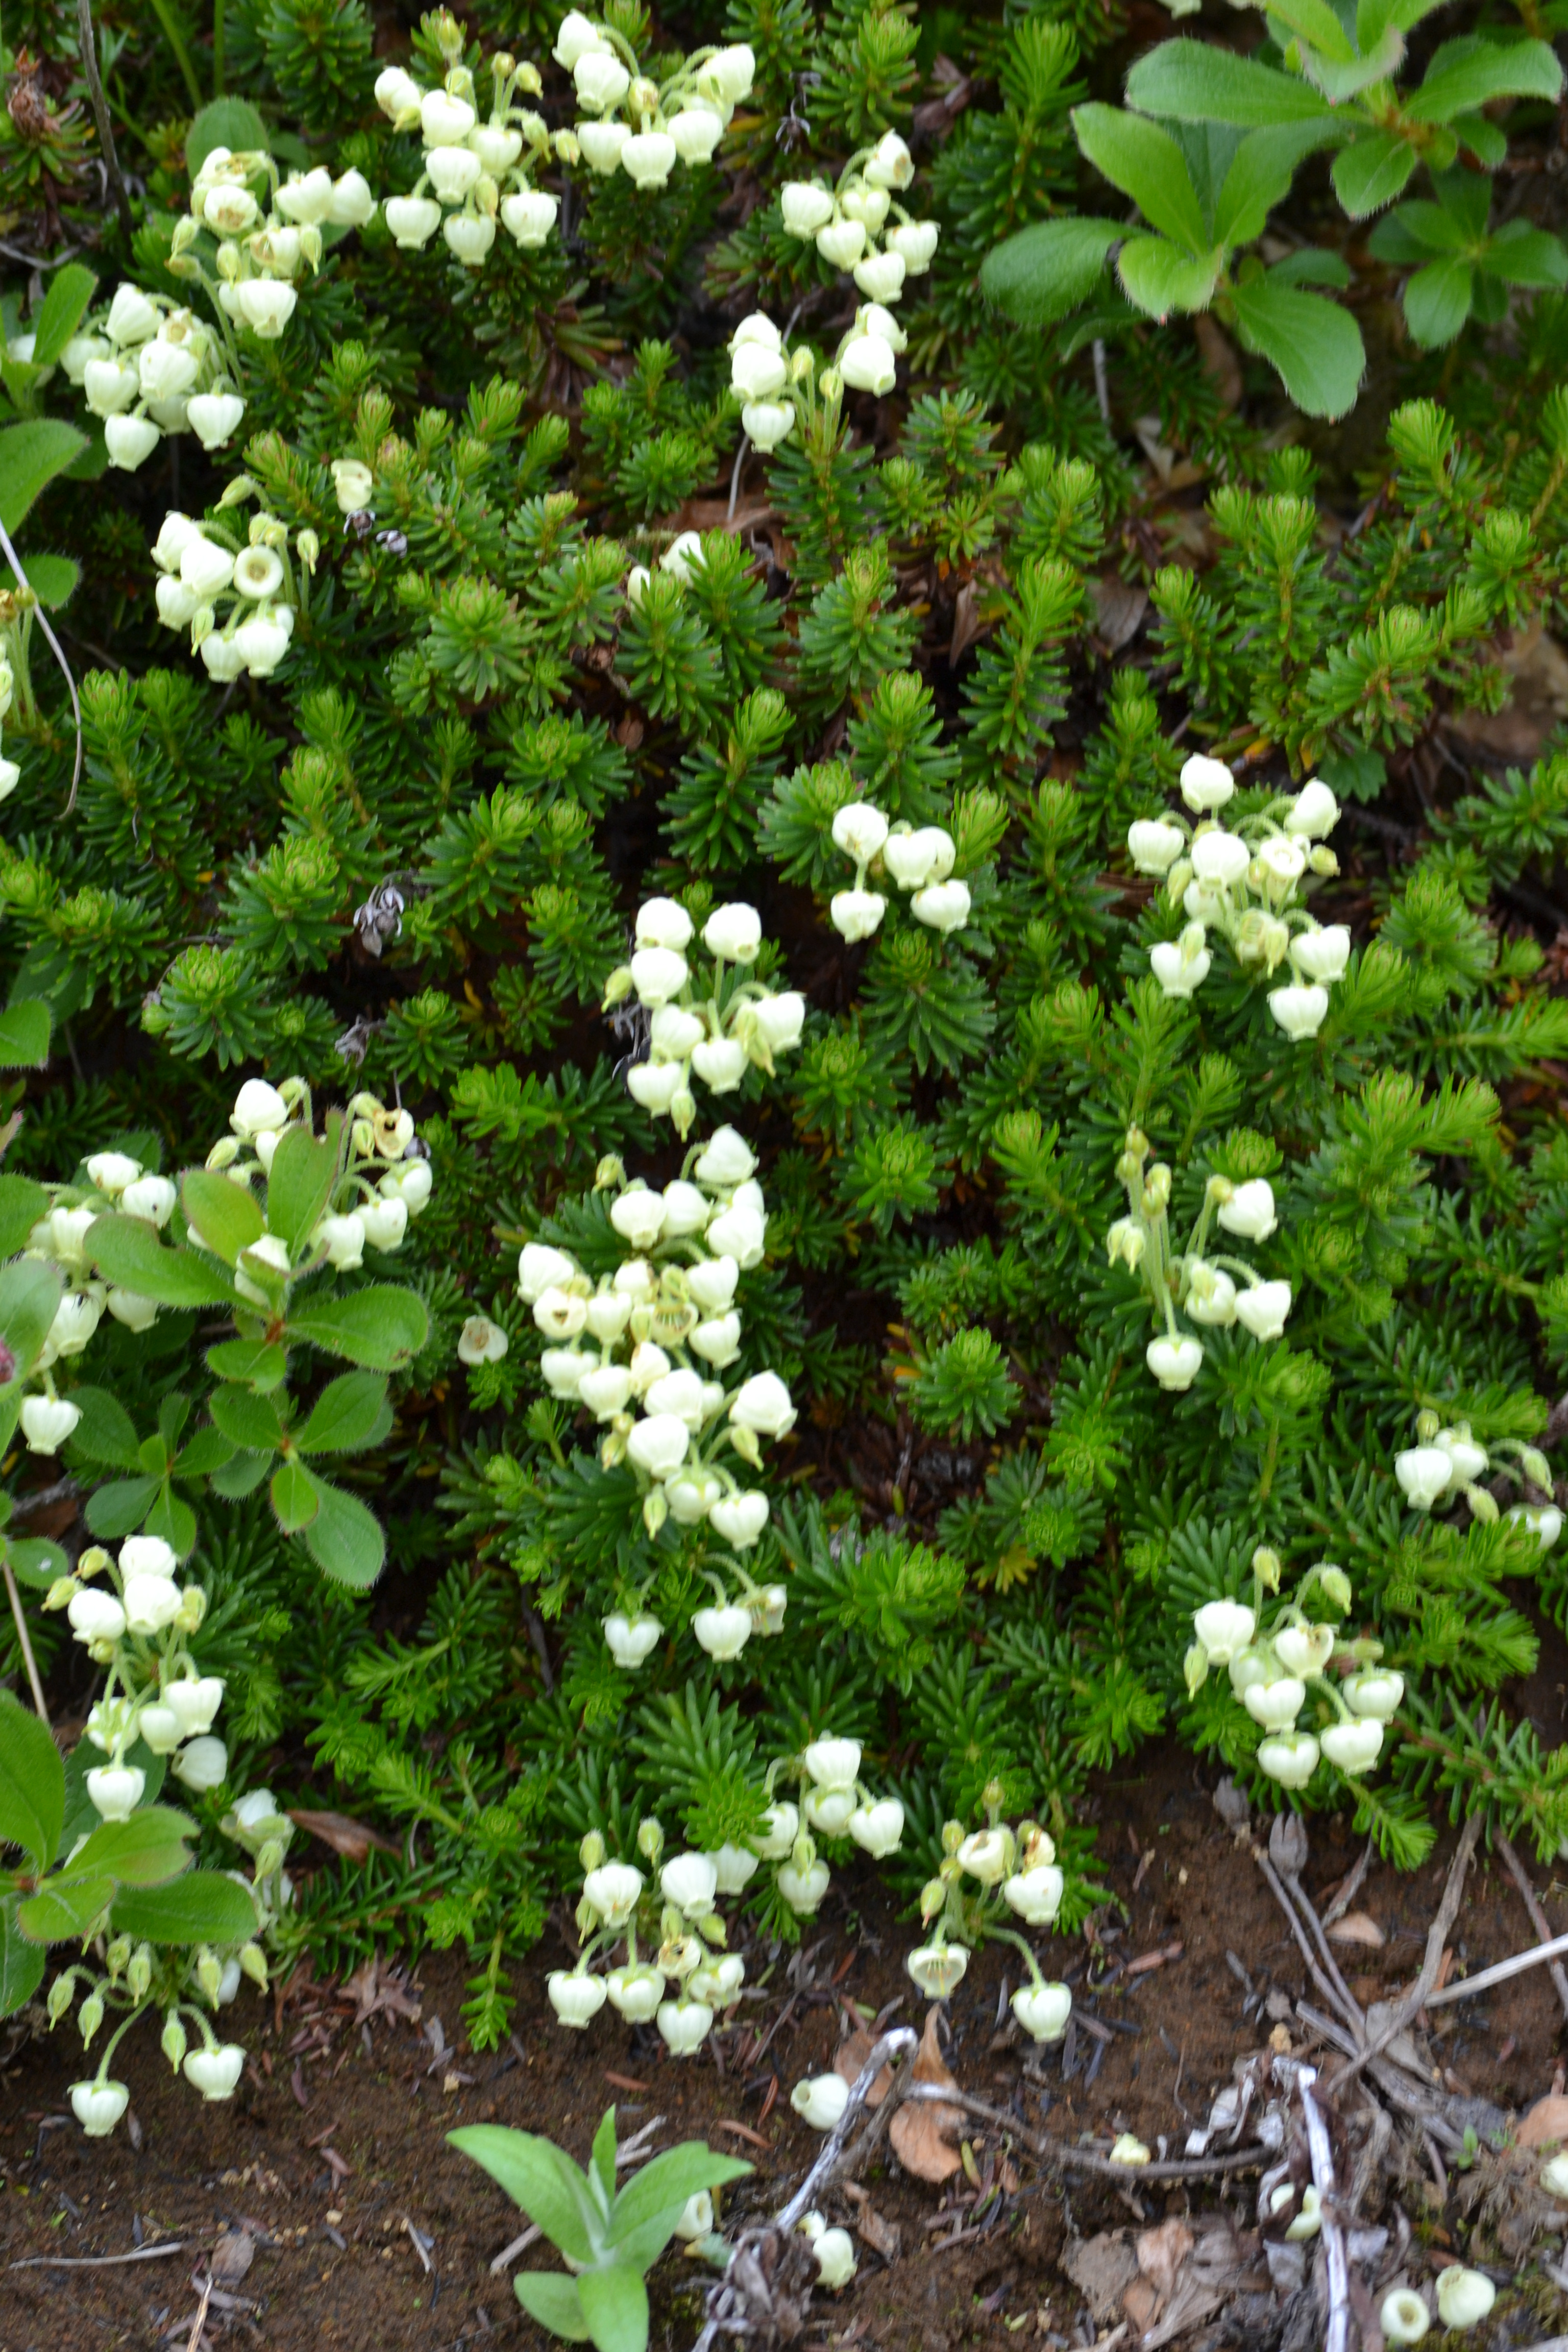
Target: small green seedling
608	2241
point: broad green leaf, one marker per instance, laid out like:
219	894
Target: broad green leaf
1522	256
1486	141
205	1906
1311	267
615	2304
1438	302
1315	346
53	580
294	1496
1400	237
1145	162
247	1419
1258	179
129	1251
61	312
227	123
106	1432
1038	275
1371	172
223	1217
259	1364
30	1300
300	1179
241	1476
1316	24
1340	81
21	1964
550	2297
174	1520
602	2162
143	1852
209	1450
665	2183
1193	81
345	1538
1161	278
541	2181
1467	198
32	1783
24	1028
382	1328
37	1562
62	1911
22	1204
31	455
119	1508
1468	74
350	1413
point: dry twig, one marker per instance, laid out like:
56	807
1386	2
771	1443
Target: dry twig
1538	1918
1437	1935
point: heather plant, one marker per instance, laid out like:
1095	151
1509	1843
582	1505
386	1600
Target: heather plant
873	945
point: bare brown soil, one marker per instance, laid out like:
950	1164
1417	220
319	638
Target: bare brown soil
332	2155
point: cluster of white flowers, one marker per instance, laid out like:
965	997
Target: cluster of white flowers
846	224
715	1031
115	1182
138	1622
689	1954
148	368
265	243
773	384
475	173
1018	1866
760	372
667	1417
1211	1288
185	1984
1446	1462
640	127
919	862
1243	884
202	564
1272	1669
385	1180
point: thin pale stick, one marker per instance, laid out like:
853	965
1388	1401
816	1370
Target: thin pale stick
1085	2159
1352	1887
1329	1990
1338	2335
200	2320
1498	1975
96	2262
28	1660
509	2254
1538	1918
89	45
1436	1938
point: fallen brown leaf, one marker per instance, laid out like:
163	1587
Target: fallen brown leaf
1102	2269
923	2135
884	2238
1161	2253
352	1839
850	2057
1547	2121
1358	1927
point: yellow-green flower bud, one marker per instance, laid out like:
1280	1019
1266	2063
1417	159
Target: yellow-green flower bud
253	1960
209	1975
139	1975
174	2040
89	2016
61	1994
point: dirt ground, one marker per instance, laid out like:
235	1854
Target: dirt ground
369	2231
